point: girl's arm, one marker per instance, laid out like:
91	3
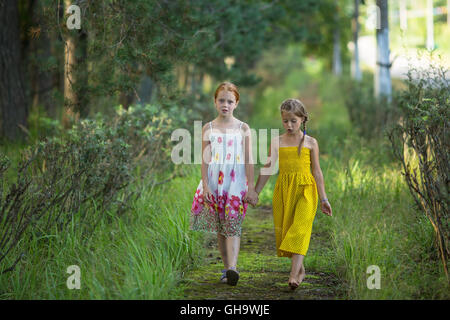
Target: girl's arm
269	167
318	176
206	159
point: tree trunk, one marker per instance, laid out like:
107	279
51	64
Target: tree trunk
46	79
186	77
41	81
201	81
403	15
194	84
337	61
383	86
448	12
70	96
14	110
356	68
146	90
126	98
57	74
430	26
82	75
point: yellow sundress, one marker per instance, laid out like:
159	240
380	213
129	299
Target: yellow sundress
294	201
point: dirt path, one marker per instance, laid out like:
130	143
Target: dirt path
263	275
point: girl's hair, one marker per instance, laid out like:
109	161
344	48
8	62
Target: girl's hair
296	107
229	87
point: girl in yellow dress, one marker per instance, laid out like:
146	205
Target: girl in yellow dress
299	184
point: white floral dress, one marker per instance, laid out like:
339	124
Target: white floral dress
228	183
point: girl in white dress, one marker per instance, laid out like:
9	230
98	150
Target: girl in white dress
227	177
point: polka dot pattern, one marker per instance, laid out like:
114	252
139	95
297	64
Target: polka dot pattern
294	201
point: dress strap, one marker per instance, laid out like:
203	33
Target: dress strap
240	126
210	125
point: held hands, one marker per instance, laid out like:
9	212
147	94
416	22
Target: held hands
207	195
251	197
326	207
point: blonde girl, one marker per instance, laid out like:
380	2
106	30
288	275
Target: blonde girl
299	186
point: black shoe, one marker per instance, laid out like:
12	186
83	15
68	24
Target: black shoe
223	278
232	277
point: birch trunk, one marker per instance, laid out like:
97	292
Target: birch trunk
337	61
383	86
356	68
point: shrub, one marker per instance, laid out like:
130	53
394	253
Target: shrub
421	143
76	176
370	116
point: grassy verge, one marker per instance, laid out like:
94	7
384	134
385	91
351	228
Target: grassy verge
140	255
146	253
375	221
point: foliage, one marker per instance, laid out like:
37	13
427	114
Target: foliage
126	40
138	255
147	129
374	218
80	174
421	143
370	116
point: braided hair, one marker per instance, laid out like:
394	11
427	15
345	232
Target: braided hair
296	107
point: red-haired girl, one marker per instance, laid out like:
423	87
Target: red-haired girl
227	177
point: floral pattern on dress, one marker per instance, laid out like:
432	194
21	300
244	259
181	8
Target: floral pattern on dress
228	184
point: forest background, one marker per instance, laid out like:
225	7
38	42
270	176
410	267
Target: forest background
91	92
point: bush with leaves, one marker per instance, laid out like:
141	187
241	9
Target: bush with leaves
76	176
421	142
370	116
147	130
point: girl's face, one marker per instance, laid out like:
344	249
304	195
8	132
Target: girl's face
225	103
291	122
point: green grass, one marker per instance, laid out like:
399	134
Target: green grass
374	218
375	221
139	255
145	253
263	275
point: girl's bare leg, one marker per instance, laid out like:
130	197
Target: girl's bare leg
297	269
232	249
229	250
222	241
